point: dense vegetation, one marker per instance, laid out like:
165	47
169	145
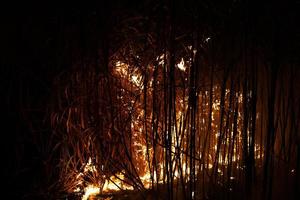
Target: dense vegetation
201	97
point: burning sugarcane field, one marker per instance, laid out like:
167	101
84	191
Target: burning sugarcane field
151	100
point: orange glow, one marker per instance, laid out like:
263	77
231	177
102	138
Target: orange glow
142	155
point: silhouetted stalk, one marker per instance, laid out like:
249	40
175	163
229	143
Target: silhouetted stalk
208	133
192	108
253	102
154	131
145	123
269	154
221	132
234	134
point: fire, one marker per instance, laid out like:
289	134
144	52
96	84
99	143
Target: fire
181	65
142	149
115	183
137	80
89	166
89	191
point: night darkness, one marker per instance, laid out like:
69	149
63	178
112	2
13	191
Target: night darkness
200	97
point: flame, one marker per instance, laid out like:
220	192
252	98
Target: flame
181	65
136	80
90	190
115	183
89	166
121	68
